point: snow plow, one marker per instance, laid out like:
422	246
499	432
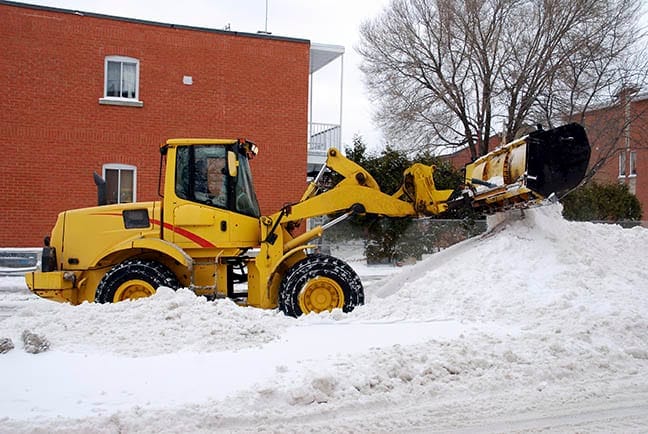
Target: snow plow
528	170
207	233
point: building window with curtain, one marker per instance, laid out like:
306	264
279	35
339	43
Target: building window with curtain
633	163
121	81
121	182
622	164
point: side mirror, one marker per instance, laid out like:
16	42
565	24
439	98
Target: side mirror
232	164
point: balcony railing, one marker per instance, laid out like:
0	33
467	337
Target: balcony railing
324	136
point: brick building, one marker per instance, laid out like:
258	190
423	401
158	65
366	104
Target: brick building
86	93
618	134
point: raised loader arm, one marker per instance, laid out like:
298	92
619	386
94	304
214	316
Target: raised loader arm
300	282
358	190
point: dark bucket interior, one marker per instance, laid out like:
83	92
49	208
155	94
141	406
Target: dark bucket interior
557	159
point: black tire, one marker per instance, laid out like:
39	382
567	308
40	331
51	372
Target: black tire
338	277
137	277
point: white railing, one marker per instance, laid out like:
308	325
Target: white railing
324	136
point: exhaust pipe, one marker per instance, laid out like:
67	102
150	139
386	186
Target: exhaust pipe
101	189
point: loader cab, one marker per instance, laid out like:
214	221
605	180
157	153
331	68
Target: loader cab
209	200
215	173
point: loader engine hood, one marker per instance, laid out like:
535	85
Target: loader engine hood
81	235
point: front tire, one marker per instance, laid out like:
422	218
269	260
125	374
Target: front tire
133	279
320	283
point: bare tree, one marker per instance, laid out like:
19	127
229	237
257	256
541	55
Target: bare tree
448	73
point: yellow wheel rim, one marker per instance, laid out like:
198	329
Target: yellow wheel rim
320	294
132	289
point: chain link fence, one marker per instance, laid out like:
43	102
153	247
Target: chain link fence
397	241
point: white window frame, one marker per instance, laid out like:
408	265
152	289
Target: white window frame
119	100
120	167
633	163
622	164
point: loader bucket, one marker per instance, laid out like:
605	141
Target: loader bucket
529	169
557	159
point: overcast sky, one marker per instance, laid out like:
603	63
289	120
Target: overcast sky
321	21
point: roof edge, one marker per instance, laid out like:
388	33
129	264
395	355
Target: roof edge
153	23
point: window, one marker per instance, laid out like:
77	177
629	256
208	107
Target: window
120	183
622	164
201	175
121	81
633	163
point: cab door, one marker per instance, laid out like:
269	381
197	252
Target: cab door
199	209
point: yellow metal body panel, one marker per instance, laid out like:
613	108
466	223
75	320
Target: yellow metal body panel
89	233
56	287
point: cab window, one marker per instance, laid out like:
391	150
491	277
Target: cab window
201	175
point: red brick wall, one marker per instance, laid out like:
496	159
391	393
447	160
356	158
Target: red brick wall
606	135
460	158
54	133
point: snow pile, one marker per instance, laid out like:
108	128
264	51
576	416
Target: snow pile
538	316
168	322
540	267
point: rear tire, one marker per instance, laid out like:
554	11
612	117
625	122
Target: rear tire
318	283
132	279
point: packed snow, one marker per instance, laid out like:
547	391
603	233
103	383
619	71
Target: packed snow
537	325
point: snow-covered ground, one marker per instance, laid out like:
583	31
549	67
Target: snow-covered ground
539	325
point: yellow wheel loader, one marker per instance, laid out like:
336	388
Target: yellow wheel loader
207	233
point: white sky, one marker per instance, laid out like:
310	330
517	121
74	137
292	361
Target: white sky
321	21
